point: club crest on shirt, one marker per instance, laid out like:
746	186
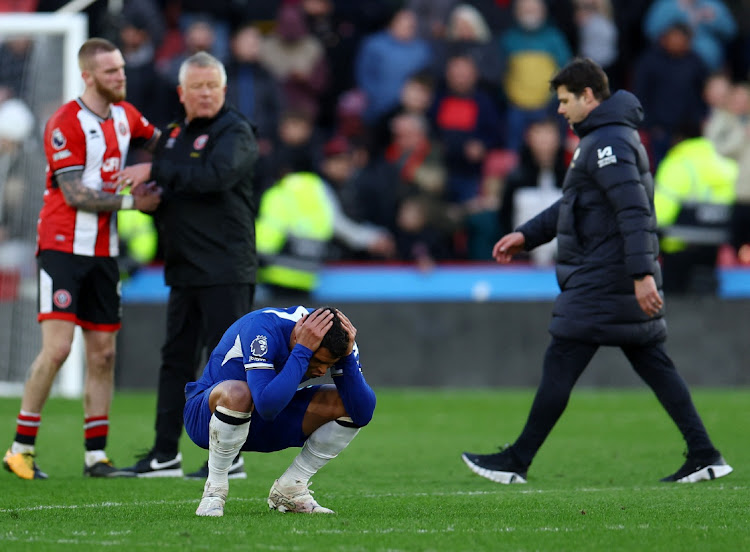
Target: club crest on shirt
58	139
122	128
200	142
259	346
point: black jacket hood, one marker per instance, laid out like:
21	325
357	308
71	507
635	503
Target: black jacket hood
621	108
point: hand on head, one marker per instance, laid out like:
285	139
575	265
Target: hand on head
350	330
312	327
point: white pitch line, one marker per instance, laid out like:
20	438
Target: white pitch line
502	489
113	504
130	544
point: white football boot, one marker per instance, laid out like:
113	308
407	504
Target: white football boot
212	503
294	498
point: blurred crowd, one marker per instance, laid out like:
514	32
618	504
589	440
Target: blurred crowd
430	123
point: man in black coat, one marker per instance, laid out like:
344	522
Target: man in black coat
608	274
204	165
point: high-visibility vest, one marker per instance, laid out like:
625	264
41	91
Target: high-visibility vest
137	231
693	195
293	229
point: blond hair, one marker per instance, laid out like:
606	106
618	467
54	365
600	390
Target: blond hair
88	50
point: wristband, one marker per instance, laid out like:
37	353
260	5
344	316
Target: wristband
127	202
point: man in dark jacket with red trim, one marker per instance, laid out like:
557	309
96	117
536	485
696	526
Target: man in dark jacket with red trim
204	163
608	274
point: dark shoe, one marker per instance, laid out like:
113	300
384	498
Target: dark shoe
236	470
23	465
105	468
157	464
502	467
700	469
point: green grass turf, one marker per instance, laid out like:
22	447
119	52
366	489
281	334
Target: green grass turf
401	485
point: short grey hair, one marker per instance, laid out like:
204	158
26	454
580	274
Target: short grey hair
202	59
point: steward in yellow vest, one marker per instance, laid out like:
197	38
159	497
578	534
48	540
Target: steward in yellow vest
693	198
293	230
694	194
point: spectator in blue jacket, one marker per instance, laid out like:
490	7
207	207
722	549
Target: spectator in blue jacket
386	59
711	22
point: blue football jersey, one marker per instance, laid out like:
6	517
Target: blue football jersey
257	341
255	349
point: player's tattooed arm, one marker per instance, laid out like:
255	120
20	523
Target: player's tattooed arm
80	197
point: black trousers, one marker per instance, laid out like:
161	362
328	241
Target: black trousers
197	317
565	361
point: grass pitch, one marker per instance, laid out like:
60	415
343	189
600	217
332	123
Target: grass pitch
401	485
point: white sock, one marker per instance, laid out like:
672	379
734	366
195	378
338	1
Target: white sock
17	447
323	445
94	456
228	431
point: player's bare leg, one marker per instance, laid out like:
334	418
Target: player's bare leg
98	387
57	337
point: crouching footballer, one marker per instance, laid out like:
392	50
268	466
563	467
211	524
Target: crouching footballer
248	399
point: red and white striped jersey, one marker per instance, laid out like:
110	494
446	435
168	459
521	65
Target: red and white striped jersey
75	138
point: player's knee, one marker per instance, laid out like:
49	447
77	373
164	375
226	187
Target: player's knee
105	356
57	352
100	362
231	394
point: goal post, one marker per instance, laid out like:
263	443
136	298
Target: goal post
73	27
54	78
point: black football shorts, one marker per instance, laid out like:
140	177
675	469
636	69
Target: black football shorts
80	289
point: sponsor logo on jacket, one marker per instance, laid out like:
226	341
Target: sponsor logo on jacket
606	157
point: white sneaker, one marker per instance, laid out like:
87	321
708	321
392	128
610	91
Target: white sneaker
294	498
212	503
701	469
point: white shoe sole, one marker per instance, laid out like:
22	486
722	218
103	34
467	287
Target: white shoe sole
177	472
707	474
506	478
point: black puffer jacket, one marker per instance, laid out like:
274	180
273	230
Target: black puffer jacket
207	215
606	230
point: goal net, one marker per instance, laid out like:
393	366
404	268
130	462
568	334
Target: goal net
38	72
